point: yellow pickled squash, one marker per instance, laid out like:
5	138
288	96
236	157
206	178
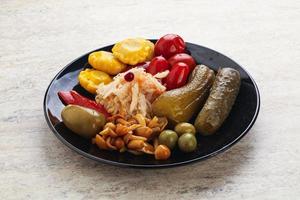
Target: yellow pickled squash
105	61
89	79
133	50
151	53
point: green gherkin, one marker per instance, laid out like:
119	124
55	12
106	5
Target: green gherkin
179	105
218	105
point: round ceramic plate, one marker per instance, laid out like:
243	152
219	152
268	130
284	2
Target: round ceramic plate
239	122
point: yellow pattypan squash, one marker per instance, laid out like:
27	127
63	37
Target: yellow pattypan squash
89	79
133	50
106	62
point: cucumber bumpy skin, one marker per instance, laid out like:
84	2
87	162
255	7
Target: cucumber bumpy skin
181	104
220	101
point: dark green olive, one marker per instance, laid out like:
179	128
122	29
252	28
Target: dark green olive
187	142
185	127
83	121
168	138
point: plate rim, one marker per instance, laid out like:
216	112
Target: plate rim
151	166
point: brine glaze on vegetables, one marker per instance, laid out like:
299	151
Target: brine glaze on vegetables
218	105
138	96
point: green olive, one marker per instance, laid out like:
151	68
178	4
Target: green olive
187	142
185	127
82	121
168	138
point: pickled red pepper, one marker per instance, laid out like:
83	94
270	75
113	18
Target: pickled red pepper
72	97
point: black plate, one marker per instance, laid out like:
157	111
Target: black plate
239	122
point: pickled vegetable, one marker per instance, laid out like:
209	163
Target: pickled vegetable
162	152
187	142
183	57
184	127
106	62
178	76
168	138
179	105
158	64
89	79
219	103
82	121
72	97
133	50
169	45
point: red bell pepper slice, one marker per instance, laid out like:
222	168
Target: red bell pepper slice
72	97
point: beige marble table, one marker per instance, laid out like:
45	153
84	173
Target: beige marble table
38	38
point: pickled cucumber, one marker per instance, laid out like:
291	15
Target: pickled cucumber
218	105
179	105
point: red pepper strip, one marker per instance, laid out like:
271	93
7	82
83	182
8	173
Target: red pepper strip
89	103
72	97
66	97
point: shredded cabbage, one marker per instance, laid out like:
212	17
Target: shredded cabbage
129	98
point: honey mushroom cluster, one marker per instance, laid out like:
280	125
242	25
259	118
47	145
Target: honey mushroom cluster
136	135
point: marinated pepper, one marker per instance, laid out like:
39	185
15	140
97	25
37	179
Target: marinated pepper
89	79
105	61
73	98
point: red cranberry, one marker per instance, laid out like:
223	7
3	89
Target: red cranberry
129	76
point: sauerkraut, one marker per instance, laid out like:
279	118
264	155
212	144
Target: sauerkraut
131	97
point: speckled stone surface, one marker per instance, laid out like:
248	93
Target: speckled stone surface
38	38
